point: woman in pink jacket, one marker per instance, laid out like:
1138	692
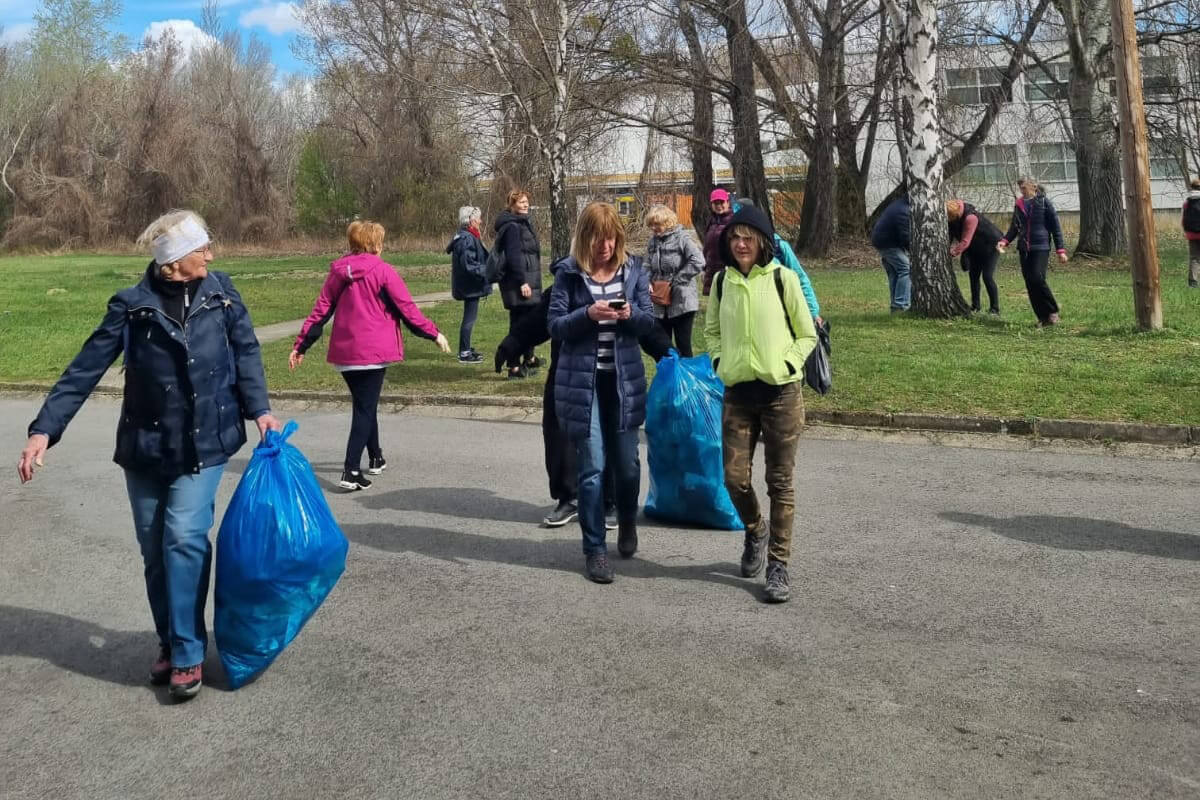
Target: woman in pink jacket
371	300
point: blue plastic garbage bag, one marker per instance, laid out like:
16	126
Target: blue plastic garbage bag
683	435
279	553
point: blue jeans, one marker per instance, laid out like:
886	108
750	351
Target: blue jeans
897	267
172	517
605	443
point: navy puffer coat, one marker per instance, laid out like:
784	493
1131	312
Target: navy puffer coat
575	378
1034	224
468	266
188	388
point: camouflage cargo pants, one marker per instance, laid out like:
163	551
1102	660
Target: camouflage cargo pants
774	414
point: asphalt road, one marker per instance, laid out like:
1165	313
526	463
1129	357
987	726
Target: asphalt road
964	623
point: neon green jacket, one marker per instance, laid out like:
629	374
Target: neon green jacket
747	331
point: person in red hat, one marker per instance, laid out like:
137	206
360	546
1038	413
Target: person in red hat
722	210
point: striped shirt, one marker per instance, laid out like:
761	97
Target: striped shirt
612	290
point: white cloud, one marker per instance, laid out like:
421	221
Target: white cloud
15	32
277	18
188	33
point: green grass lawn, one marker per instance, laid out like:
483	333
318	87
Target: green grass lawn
1092	366
49	304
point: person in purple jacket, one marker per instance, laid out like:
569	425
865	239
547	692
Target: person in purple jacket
370	299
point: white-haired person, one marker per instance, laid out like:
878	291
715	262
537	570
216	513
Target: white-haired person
193	376
468	277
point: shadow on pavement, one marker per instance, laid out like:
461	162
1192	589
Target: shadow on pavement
564	555
467	502
1081	533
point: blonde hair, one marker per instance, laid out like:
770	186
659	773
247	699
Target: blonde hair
598	221
954	209
514	196
661	215
365	236
765	246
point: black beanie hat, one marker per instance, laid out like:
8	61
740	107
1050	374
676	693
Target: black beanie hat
754	218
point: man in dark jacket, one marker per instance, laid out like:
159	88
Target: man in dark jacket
891	236
561	465
521	279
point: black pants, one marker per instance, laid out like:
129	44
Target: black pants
562	464
1033	270
514	318
679	329
365	386
470	314
983	267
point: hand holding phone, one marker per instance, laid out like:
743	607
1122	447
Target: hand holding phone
616	305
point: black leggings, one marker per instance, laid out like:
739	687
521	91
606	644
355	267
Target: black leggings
514	318
1033	269
680	329
365	386
983	267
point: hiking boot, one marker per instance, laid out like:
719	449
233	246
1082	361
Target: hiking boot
533	364
597	569
469	357
185	681
777	590
160	670
754	550
1052	319
610	519
353	481
627	542
517	373
564	513
376	466
995	312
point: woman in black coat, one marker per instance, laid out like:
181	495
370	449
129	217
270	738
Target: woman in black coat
193	375
521	278
1034	223
974	237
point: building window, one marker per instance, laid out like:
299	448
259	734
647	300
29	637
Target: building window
1048	82
992	163
974	86
1164	162
1052	162
624	206
1158	76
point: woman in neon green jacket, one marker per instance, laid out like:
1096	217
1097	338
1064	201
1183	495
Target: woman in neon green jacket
759	334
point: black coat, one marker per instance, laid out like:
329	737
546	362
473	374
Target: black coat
894	226
987	235
522	259
188	388
468	266
575	377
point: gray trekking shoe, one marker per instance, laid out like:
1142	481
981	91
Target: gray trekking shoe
754	550
777	590
597	569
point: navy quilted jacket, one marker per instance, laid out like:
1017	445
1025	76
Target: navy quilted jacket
575	378
188	388
1034	223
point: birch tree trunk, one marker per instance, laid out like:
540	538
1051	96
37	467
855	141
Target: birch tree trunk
935	290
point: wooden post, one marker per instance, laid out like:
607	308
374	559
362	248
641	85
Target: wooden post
1135	168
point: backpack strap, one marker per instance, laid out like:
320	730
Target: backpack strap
720	284
782	302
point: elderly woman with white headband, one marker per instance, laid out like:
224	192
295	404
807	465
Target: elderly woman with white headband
193	375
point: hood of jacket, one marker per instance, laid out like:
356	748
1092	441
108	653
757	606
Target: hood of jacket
669	237
460	233
506	217
355	266
754	218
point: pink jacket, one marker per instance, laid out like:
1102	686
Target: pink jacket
371	301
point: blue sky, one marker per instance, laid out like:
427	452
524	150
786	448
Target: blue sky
272	22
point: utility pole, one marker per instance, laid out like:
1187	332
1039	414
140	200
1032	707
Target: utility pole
1135	168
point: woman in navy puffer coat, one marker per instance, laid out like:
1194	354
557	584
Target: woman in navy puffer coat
1034	223
599	307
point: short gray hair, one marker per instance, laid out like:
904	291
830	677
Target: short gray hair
467	213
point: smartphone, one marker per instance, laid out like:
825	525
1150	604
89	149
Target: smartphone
616	305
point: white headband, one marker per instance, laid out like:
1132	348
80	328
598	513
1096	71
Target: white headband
180	239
